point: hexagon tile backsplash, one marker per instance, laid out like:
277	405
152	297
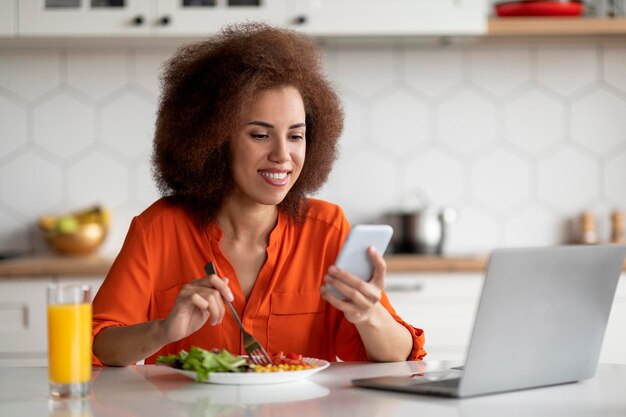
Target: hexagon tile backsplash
519	135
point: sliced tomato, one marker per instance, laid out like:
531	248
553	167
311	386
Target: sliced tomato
279	358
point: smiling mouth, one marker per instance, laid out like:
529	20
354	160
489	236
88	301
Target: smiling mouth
274	175
275	178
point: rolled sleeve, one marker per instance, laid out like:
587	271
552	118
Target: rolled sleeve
124	297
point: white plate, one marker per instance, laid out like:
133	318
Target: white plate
258	378
203	396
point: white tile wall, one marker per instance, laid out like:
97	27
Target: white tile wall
519	135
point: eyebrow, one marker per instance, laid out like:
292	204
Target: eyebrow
271	126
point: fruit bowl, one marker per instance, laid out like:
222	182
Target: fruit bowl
83	241
79	233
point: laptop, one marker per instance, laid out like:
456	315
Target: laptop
540	321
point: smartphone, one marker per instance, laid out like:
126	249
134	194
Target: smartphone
353	255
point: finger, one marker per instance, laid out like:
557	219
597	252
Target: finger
216	308
221	285
369	291
203	282
380	268
209	300
354	295
211	282
342	305
333	299
226	280
199	302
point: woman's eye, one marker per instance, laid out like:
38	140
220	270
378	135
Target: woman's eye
259	136
297	137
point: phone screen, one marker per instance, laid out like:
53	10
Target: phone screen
353	256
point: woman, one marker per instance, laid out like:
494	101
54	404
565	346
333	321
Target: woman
247	127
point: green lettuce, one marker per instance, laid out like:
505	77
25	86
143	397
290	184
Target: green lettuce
203	362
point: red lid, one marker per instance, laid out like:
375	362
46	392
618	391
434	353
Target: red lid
539	8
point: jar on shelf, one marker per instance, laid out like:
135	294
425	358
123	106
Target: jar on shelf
617	227
588	234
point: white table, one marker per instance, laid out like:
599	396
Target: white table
154	391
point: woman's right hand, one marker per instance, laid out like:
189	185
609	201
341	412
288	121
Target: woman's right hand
197	302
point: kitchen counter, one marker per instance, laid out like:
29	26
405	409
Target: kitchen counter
425	263
55	266
99	266
156	391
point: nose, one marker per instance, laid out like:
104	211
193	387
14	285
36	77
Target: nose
279	152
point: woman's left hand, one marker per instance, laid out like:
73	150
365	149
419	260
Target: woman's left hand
361	297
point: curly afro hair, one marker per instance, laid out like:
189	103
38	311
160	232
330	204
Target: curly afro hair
204	87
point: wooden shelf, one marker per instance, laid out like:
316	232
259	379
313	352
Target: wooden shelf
53	266
555	26
423	263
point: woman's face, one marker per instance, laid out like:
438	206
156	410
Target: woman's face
269	146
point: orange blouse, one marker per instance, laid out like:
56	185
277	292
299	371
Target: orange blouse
164	250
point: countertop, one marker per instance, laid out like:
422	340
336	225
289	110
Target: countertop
154	391
57	266
54	266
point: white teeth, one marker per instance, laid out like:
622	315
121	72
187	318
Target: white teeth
275	175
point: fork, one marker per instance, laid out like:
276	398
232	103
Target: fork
253	348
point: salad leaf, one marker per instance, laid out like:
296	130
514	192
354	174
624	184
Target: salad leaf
229	361
203	362
168	359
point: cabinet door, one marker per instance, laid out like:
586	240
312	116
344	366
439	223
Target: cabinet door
443	305
8	17
84	17
390	17
202	17
23	318
23	322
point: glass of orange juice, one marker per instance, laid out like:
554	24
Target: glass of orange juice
69	340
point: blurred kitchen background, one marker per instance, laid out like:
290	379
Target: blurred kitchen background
513	128
518	134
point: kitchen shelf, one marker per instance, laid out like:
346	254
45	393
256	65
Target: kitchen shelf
58	266
55	266
555	26
423	263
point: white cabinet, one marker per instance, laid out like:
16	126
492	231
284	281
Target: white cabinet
84	17
441	304
390	17
129	18
444	305
141	17
23	318
8	17
23	326
175	17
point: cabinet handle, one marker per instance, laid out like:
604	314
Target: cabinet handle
300	20
165	20
404	288
138	20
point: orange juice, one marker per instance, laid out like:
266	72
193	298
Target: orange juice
69	343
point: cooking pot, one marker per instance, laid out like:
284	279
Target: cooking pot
421	231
